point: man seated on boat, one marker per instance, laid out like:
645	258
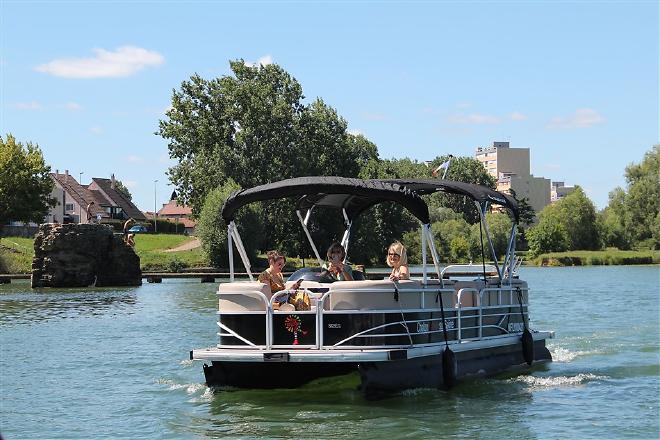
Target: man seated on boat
335	267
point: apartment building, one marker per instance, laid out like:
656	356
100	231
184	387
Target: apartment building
511	168
559	190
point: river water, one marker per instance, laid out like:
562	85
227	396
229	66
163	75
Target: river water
113	363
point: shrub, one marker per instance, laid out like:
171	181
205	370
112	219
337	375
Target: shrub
212	229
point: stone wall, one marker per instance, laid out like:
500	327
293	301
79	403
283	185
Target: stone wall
81	255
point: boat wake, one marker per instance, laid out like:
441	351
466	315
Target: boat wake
562	355
538	383
199	392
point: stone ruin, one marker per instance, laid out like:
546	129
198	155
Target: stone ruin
82	255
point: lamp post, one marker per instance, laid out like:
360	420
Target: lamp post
155	214
79	205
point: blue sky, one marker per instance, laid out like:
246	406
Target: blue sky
577	82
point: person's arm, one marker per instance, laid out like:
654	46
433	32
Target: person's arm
404	273
346	272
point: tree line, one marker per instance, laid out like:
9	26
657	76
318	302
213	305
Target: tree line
254	126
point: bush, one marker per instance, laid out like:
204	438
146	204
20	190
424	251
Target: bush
212	230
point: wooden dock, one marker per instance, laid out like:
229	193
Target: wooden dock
205	277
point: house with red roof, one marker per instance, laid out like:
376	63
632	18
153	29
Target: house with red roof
172	211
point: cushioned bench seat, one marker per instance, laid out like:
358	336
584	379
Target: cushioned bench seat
242	296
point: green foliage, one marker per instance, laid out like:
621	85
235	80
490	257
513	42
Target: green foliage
567	224
253	127
25	182
548	236
121	188
499	227
525	211
642	201
597	258
631	217
212	230
461	169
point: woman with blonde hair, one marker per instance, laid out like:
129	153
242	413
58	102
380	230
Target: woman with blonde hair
398	261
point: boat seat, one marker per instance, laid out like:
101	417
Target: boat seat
374	295
469	298
242	296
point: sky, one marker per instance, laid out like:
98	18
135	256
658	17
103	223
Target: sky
577	82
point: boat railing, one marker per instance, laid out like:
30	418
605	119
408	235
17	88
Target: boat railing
456	316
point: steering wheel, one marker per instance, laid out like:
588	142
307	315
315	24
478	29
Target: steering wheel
326	277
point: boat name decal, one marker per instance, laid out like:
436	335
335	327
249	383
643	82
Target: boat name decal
422	327
334	325
449	324
515	327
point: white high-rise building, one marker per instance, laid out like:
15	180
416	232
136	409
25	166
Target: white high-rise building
510	166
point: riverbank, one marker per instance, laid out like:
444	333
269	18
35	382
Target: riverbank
158	253
608	257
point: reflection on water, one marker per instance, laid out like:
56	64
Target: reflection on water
43	304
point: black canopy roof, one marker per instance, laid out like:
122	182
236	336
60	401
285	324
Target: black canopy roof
353	195
475	192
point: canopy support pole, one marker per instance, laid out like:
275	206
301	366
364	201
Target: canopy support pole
510	253
434	253
230	247
347	234
241	251
482	213
424	271
303	222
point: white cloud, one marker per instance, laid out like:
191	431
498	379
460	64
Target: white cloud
73	106
34	105
263	61
133	158
474	119
581	118
123	61
96	130
129	183
517	116
355	132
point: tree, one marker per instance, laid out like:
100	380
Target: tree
253	127
547	236
569	224
461	169
212	230
121	188
25	182
642	200
526	213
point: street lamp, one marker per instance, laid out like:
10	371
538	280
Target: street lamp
79	205
155	214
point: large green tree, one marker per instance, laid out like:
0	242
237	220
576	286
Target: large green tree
212	229
569	224
631	217
253	127
25	183
462	169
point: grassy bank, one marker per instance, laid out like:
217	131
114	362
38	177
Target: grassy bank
606	257
16	253
153	258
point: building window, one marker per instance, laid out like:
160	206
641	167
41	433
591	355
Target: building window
68	207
